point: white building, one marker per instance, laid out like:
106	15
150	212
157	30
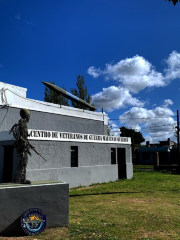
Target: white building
73	141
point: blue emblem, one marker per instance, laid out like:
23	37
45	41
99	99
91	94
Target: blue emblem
33	221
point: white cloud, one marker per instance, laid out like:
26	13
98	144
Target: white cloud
173	63
18	16
168	102
114	125
155	124
115	132
114	98
114	128
151	122
159	136
137	73
94	72
134	73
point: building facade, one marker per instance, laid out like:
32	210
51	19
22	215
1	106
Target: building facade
73	141
167	153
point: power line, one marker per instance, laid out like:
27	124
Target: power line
160	125
146	131
139	118
157	131
152	128
162	134
147	128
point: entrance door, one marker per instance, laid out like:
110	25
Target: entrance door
121	157
8	164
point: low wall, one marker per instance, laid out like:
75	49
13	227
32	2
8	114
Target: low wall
77	176
52	199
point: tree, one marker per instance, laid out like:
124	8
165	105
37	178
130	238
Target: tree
109	128
137	137
54	97
81	92
174	1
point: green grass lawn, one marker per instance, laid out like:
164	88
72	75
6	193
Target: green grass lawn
146	207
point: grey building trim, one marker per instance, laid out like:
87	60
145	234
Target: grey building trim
54	122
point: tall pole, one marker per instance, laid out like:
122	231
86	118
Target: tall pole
178	139
133	148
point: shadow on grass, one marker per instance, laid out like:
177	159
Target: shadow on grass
14	229
104	193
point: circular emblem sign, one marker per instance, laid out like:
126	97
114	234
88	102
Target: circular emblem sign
33	221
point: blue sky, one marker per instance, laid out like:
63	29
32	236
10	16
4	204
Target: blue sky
128	51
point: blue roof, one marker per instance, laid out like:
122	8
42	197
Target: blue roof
153	149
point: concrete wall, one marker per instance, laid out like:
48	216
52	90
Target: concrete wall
58	154
52	199
54	122
76	176
94	162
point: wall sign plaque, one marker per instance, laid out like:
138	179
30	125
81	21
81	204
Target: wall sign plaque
33	221
75	137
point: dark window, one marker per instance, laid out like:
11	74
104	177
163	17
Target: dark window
121	158
113	156
8	164
74	156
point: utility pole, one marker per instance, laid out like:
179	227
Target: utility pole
133	147
178	140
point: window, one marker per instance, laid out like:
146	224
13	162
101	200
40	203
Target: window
74	156
113	156
8	164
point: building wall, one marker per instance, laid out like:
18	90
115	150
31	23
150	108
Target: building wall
48	116
148	160
58	154
54	122
94	162
94	159
165	158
